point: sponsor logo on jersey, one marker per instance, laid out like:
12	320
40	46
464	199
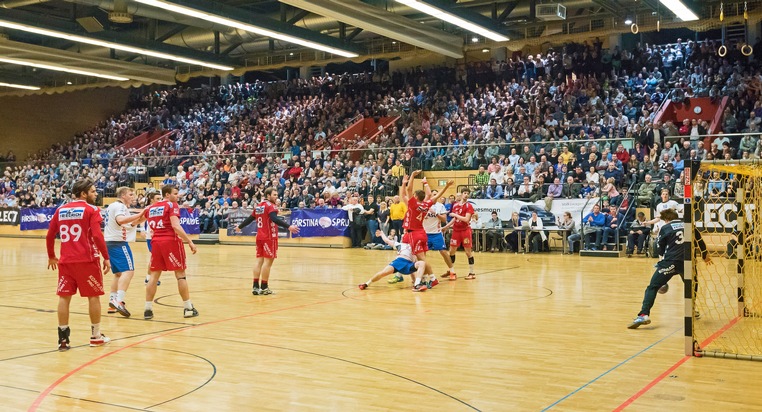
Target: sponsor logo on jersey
75	213
156	212
259	210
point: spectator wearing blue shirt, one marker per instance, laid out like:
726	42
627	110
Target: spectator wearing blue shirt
494	191
594	224
614	223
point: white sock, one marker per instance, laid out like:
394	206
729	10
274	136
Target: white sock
452	270
120	296
96	330
470	268
188	304
417	282
369	282
63	327
149	305
112	296
432	277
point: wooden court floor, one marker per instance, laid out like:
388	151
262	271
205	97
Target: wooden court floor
532	333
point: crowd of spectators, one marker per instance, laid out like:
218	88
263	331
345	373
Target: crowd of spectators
576	121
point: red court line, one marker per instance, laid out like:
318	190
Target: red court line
54	385
677	364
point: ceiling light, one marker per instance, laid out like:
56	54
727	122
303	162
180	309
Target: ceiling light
485	50
628	20
452	19
474	40
61	69
102	43
680	10
69	83
19	86
187	11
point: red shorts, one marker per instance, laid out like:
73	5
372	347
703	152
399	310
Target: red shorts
267	248
461	237
85	276
419	242
167	254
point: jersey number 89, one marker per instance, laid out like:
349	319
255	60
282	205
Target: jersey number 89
69	232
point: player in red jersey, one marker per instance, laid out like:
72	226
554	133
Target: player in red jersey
418	204
79	225
167	251
461	231
266	215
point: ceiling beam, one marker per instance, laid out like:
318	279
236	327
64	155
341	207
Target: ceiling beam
177	29
298	16
352	35
385	23
507	11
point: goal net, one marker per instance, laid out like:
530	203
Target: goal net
725	315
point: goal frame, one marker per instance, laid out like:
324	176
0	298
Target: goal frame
692	168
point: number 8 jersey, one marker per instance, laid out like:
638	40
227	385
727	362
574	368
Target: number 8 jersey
75	223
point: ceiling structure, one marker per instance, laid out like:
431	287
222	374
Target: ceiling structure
118	34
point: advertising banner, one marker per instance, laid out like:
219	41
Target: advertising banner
9	216
189	221
36	219
320	222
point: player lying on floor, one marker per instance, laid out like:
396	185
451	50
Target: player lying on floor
406	264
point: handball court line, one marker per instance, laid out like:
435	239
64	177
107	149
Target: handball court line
44	394
615	367
677	364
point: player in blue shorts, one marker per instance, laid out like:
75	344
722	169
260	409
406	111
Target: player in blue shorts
432	224
405	263
119	232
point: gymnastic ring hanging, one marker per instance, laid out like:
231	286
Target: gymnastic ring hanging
722	51
747	50
634	28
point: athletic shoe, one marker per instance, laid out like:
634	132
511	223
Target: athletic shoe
148	314
111	310
664	289
99	341
471	276
265	291
419	288
63	339
452	276
256	291
432	283
640	320
190	313
395	279
362	286
119	307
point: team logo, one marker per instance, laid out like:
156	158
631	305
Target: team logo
75	213
156	212
324	222
259	210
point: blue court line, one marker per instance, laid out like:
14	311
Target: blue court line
610	370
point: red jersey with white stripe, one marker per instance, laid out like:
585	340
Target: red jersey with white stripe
75	223
266	228
416	212
158	215
462	209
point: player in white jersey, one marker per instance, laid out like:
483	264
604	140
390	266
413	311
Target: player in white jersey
151	197
432	224
406	263
119	233
666	203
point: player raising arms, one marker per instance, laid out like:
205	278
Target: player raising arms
418	204
119	232
406	263
167	252
461	232
268	221
79	225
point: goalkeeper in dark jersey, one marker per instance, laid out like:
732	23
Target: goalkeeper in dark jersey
671	247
